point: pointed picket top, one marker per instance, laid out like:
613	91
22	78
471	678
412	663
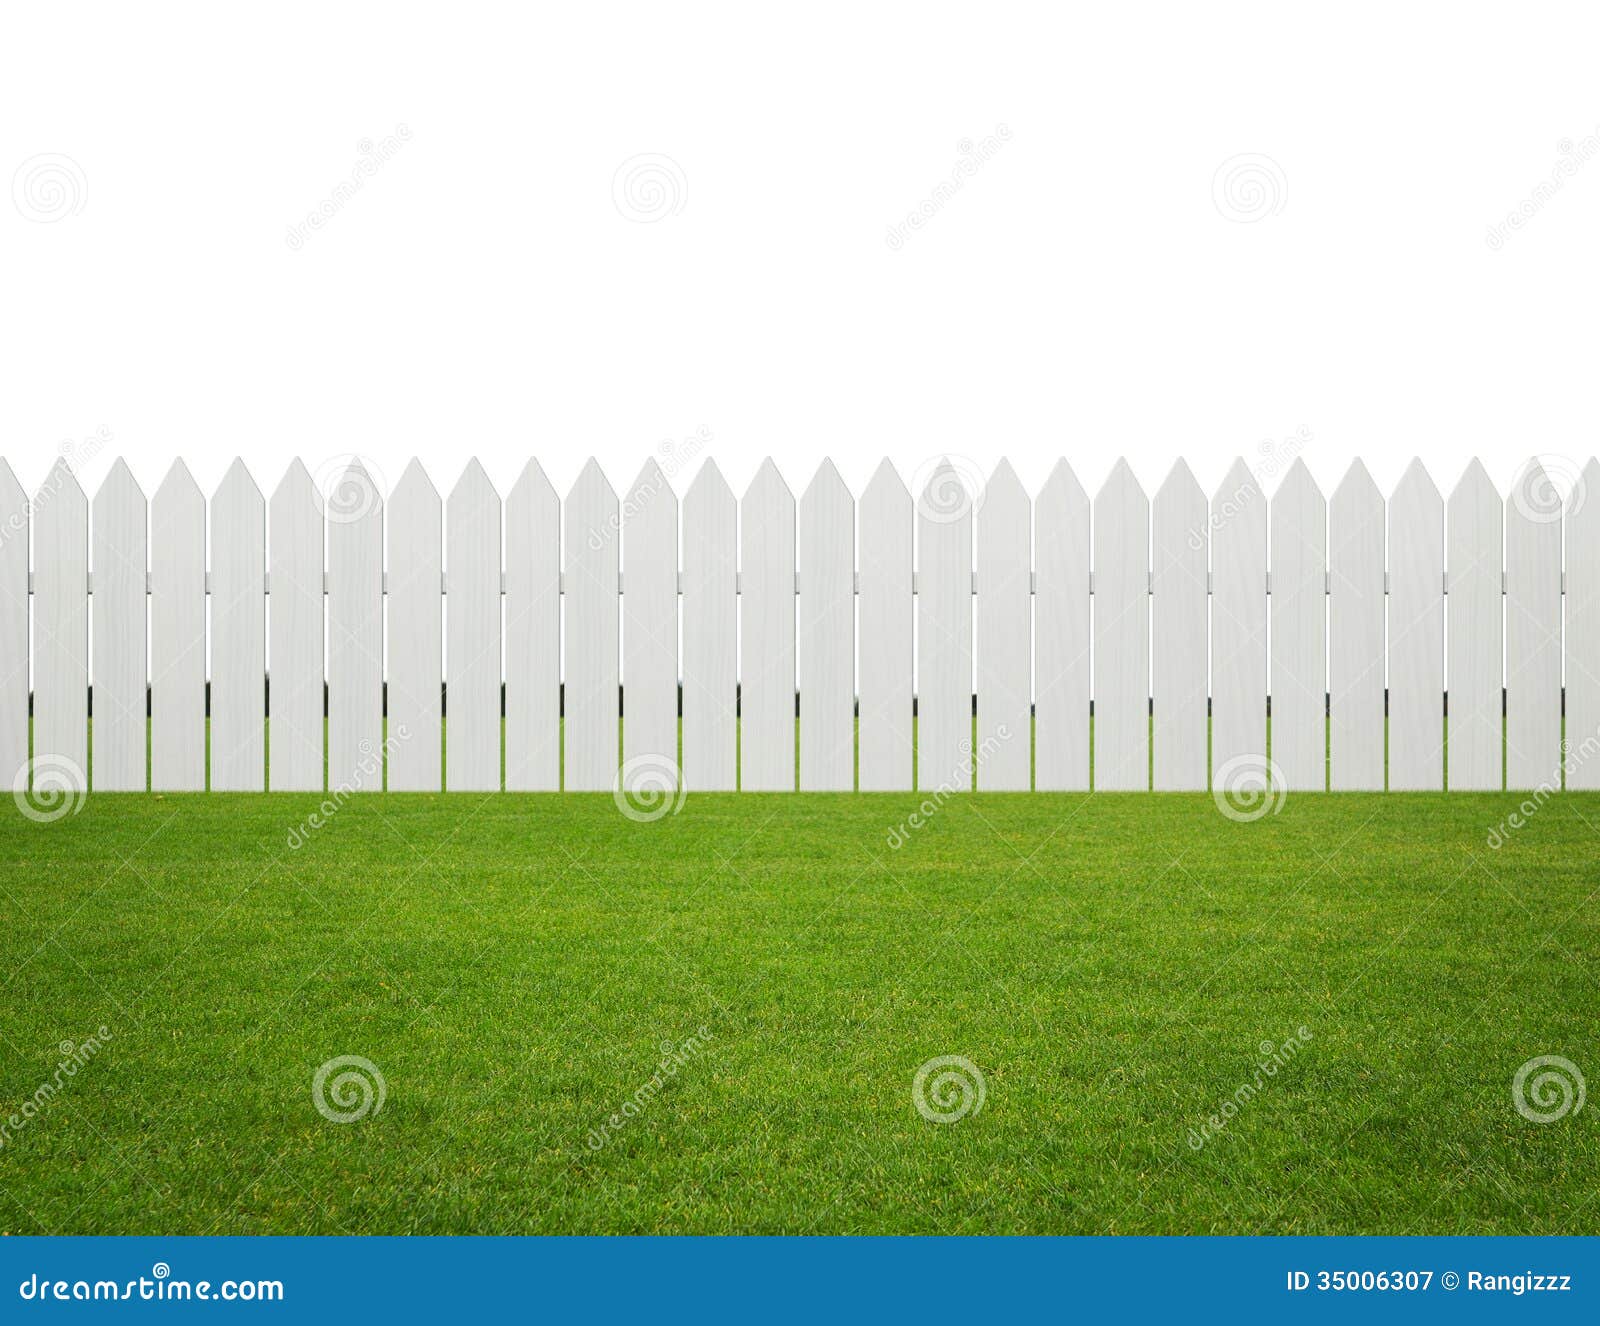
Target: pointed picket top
119	484
1475	483
886	484
1298	484
1416	482
651	481
61	482
945	499
414	485
298	485
532	485
1121	485
178	485
1238	485
475	483
1005	488
1357	486
768	483
592	483
237	482
12	497
1534	498
1587	485
826	482
1180	483
709	485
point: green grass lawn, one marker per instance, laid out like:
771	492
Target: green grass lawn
513	965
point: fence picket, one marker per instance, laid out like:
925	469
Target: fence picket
415	624
886	609
472	526
1416	634
61	631
944	633
238	634
294	640
1005	634
13	627
592	696
827	636
1475	639
1299	607
1355	633
766	634
1238	625
1061	633
178	634
1178	615
650	627
120	549
355	632
533	633
710	639
1583	631
1121	633
1533	632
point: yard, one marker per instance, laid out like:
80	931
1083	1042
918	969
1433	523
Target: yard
714	1022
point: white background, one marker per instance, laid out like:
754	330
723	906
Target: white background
1082	294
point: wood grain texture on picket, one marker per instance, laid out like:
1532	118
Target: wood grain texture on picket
14	521
827	636
710	634
414	623
1582	759
533	633
766	634
1533	631
1005	634
1355	634
295	700
473	640
119	551
591	675
238	634
887	615
1180	540
1061	614
1121	634
1475	640
178	634
355	633
61	632
1238	627
944	633
650	626
1299	607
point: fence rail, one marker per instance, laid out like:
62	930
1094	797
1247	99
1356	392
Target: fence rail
996	622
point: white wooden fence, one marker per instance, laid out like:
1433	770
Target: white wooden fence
1168	612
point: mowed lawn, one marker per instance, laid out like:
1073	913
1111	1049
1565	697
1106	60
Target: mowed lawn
1115	967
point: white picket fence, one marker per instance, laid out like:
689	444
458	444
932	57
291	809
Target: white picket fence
1169	612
